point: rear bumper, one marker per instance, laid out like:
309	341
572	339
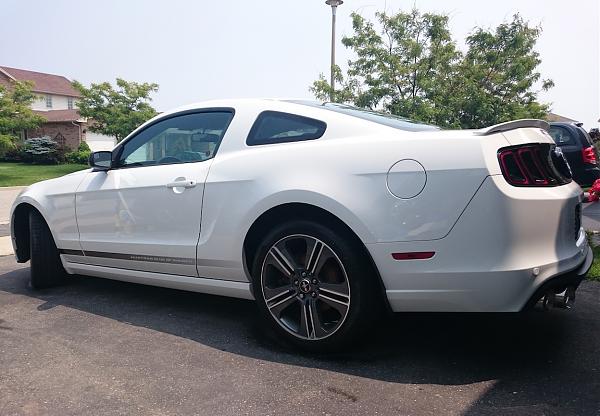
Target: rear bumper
430	286
560	283
505	246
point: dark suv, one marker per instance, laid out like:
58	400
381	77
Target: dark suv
579	150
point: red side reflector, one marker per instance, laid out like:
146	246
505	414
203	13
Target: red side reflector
416	255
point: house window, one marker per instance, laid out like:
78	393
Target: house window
48	101
70	103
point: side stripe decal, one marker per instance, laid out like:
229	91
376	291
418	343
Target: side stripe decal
132	257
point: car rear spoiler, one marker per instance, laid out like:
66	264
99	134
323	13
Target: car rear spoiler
513	125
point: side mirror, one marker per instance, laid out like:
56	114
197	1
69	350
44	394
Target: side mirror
100	160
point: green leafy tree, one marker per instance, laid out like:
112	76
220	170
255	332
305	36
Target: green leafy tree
499	75
409	65
16	114
116	111
402	62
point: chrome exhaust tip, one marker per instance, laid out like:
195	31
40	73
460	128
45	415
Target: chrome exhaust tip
566	299
547	301
562	300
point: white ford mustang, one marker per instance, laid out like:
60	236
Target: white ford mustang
322	213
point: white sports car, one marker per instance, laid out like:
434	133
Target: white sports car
324	214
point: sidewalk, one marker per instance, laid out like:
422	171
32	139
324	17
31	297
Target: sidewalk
7	196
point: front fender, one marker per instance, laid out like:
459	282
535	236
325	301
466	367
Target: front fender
55	201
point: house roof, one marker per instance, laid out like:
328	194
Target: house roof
56	116
558	117
46	83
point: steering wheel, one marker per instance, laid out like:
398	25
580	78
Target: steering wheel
168	159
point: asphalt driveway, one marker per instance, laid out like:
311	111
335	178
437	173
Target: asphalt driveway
104	347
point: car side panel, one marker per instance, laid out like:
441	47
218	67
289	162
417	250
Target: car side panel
346	177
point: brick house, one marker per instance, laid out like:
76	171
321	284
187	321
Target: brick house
57	103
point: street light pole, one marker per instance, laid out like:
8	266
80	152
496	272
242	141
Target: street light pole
334	4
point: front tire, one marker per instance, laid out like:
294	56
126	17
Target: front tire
46	267
313	286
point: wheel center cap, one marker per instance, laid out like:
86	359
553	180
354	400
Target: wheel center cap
305	286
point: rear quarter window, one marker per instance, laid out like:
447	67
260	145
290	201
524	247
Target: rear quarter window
561	136
273	127
585	138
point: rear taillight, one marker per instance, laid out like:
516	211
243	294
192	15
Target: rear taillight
589	156
534	165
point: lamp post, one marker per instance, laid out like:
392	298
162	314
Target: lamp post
334	4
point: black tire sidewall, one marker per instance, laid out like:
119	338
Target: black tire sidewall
360	277
45	264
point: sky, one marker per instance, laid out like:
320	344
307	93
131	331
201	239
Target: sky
198	50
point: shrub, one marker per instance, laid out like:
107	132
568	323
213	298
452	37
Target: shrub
6	144
42	150
83	147
77	157
81	155
14	154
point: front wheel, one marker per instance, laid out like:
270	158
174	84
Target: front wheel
46	268
313	285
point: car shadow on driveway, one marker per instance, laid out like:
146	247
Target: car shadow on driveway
539	359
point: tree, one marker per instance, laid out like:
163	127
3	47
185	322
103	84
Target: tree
16	114
500	74
116	112
409	65
399	67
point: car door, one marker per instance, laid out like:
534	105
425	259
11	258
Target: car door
145	212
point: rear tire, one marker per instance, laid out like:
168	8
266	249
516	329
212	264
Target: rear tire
317	307
46	268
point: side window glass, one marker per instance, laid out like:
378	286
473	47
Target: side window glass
561	136
187	138
585	138
275	127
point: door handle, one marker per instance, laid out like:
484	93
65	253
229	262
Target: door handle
182	184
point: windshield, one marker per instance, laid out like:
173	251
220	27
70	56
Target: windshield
390	120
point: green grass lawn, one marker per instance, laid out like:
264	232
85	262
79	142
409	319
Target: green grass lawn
15	174
594	273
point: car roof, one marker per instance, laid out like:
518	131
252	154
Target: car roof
341	124
303	105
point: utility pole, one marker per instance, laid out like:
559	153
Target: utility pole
334	4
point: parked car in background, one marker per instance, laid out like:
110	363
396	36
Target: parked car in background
594	134
323	213
578	147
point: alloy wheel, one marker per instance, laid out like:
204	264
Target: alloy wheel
305	287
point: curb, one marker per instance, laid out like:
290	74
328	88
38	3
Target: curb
12	188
